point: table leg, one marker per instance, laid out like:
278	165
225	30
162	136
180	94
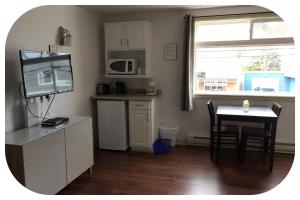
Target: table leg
272	145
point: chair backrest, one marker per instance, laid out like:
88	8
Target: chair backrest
276	108
211	114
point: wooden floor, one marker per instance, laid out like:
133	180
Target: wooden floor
185	170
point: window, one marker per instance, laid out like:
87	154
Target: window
270	29
45	78
244	55
62	78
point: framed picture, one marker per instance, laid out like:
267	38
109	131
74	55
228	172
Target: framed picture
170	51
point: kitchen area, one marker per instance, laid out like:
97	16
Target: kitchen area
127	120
125	117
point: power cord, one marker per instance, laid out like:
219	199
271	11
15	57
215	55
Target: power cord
48	108
28	108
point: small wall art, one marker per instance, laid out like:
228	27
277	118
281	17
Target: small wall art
170	51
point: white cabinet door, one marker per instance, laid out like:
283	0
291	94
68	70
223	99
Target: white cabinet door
45	163
112	124
136	35
125	35
115	35
139	129
79	148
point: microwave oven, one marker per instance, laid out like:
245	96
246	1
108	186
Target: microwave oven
122	66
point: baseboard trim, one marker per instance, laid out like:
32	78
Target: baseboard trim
204	141
284	148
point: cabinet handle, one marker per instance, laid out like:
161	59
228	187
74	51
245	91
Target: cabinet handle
127	42
138	104
121	41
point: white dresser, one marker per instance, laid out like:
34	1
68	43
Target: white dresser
45	160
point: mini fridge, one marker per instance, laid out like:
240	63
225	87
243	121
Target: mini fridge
112	125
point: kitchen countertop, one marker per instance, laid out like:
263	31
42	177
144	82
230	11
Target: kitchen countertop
127	96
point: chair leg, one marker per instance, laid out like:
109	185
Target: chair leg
243	147
218	148
212	138
237	140
266	144
237	145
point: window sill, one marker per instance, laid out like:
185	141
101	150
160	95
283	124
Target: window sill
250	96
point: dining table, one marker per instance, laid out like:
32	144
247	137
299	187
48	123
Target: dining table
263	115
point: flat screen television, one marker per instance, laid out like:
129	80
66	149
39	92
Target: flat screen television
45	73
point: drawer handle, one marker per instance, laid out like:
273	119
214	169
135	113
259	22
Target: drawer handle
139	105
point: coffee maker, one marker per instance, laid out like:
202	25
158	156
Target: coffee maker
102	89
151	88
120	87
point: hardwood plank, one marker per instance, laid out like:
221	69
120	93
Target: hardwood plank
185	170
14	158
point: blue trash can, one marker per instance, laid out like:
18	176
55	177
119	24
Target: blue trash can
161	146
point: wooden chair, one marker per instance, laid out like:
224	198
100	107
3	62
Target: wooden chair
229	133
256	134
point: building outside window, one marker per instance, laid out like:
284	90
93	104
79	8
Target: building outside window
244	54
45	77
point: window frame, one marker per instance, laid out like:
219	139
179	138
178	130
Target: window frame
253	18
277	19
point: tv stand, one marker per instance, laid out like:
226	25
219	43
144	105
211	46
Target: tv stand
46	159
54	121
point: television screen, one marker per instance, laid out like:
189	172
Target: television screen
46	73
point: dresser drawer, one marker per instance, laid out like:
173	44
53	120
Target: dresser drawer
140	105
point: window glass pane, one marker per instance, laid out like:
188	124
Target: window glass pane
222	31
255	69
277	29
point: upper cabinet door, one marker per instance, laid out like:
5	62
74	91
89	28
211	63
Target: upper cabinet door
136	35
115	35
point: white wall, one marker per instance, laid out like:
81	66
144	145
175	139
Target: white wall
167	27
35	30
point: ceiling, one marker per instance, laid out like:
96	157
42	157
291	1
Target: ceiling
126	9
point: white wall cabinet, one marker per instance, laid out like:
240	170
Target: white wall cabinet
126	35
137	34
141	136
128	40
115	35
45	160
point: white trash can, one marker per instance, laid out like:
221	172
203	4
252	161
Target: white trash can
169	132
